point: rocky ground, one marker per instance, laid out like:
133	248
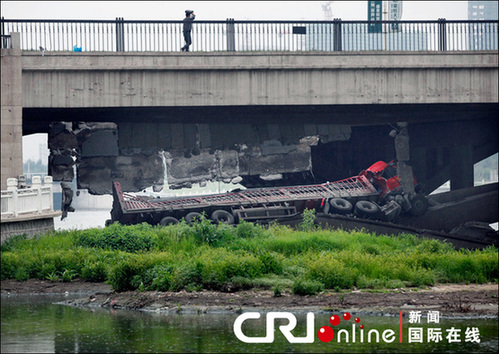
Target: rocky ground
451	300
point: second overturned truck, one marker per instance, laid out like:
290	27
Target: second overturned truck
376	193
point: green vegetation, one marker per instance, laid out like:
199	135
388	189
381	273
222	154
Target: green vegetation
305	261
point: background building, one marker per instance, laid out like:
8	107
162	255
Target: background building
482	10
482	37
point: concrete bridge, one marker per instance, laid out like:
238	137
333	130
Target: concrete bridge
255	117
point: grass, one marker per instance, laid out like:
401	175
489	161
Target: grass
306	260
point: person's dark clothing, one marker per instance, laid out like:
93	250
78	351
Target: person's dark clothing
188	22
188	40
67	198
187	31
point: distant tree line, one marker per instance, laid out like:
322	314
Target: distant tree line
31	168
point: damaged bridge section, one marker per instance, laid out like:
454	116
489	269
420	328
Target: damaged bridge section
141	155
258	118
93	149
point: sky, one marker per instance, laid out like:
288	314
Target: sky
210	10
221	10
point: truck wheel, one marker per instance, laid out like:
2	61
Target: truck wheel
419	205
168	220
222	216
366	209
193	217
340	206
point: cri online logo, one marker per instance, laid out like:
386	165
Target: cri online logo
325	333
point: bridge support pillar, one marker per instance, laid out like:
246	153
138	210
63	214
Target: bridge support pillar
461	167
11	114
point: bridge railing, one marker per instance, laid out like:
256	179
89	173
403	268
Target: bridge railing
208	36
36	198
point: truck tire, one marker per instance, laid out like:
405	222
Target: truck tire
222	216
193	217
168	220
340	206
419	205
366	209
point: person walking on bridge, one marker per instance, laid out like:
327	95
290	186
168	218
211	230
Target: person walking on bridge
189	17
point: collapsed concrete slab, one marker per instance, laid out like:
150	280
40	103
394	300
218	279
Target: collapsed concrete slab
63	146
135	173
93	148
229	165
181	154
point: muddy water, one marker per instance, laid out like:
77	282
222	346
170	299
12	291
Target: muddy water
36	324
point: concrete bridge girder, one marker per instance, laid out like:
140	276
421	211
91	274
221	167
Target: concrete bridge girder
240	79
306	89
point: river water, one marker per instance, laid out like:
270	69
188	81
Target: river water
34	323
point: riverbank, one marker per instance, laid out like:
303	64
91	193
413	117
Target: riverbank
454	300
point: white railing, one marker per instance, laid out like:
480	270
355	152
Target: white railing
36	198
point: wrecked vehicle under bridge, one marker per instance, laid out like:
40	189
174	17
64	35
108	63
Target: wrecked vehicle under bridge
270	160
376	193
457	217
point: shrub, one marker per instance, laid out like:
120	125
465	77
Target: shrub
308	223
205	231
118	237
364	282
272	282
67	275
468	266
292	243
306	287
277	292
249	230
158	278
175	238
272	262
371	249
240	283
9	264
221	265
122	274
332	273
11	243
21	274
94	272
420	276
222	257
44	270
54	277
434	246
186	275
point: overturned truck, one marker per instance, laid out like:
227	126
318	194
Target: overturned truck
376	193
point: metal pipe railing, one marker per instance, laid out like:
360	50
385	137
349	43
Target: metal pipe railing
210	36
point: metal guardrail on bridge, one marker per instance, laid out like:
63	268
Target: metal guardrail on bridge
324	36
